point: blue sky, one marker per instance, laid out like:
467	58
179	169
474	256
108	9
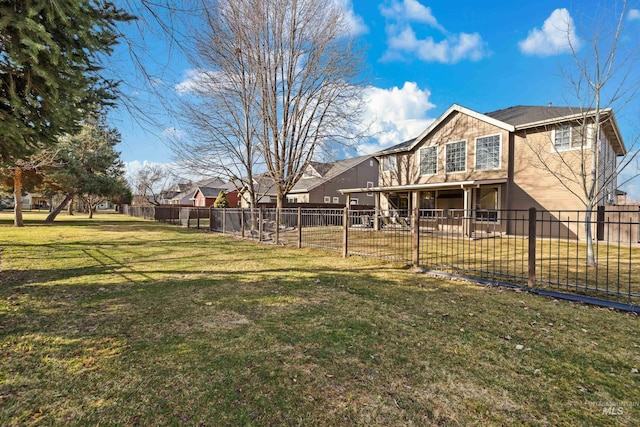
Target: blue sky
422	56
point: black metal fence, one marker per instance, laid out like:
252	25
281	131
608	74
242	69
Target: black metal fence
540	250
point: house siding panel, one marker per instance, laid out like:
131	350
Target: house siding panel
458	127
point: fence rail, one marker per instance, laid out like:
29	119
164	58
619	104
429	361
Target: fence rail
532	249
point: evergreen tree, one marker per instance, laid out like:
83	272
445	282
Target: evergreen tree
87	166
221	200
50	73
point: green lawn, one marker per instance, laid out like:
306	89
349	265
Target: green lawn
118	321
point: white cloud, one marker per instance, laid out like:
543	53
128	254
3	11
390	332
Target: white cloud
131	168
634	14
410	10
453	49
199	81
354	22
402	39
396	115
557	36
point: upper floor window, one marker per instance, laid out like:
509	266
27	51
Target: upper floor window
488	152
562	138
428	160
389	163
456	156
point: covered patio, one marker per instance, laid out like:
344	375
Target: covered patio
468	207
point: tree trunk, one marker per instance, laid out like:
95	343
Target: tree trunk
54	213
278	213
91	209
591	261
17	197
70	207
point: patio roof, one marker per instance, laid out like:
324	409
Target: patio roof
430	186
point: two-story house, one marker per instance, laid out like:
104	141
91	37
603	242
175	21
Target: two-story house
477	165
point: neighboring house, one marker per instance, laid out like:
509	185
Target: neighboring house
185	194
320	183
206	196
264	188
480	164
35	201
173	192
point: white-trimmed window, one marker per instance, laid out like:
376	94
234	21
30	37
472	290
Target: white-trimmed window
566	137
353	201
292	199
562	137
389	163
336	200
488	150
327	199
370	185
428	158
456	157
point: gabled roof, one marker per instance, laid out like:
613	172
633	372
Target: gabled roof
410	144
520	117
527	117
209	191
321	168
329	172
524	115
185	197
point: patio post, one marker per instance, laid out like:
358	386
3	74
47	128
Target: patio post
376	219
345	233
466	214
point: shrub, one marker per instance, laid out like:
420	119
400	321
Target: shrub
221	201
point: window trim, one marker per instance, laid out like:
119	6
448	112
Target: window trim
370	186
386	161
336	200
587	146
353	201
466	156
432	147
327	199
499	135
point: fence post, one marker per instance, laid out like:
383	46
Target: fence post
198	219
345	233
224	220
415	228
260	224
299	227
211	218
242	222
532	247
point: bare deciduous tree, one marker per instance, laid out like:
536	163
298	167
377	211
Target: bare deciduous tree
150	182
277	82
602	82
